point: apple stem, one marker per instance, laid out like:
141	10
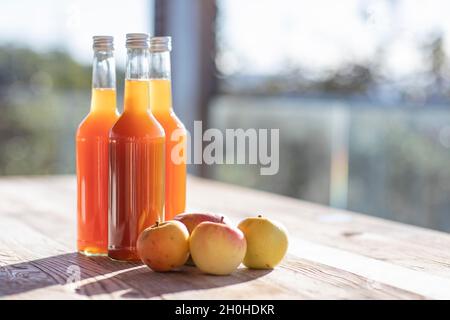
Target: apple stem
259	216
221	219
157	222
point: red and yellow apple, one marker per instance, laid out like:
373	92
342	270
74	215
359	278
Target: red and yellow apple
191	220
217	248
164	246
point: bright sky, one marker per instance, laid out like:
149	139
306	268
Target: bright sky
256	36
47	24
260	36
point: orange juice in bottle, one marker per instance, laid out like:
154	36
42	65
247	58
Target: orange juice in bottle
136	144
161	106
92	152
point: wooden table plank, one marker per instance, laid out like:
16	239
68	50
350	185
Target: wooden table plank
411	247
332	253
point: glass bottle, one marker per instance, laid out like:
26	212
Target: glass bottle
161	106
136	145
92	152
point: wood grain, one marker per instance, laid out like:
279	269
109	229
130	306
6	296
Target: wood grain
333	254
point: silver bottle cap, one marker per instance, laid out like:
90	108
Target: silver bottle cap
103	43
159	44
138	40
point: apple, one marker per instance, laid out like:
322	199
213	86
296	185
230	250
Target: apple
217	248
191	220
267	242
164	246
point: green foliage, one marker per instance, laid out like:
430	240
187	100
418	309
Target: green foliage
21	65
43	96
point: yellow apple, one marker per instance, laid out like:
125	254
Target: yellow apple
217	248
267	242
164	246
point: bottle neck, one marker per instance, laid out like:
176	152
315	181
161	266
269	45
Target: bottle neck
103	98
138	63
103	101
136	97
104	70
137	81
160	83
160	65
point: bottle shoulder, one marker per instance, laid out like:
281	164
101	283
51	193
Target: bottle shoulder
136	125
96	125
170	121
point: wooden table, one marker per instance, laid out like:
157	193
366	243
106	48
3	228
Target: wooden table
332	253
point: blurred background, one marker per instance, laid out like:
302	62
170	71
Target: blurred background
359	89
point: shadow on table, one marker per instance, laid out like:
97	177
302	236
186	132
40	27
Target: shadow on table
61	269
136	280
144	283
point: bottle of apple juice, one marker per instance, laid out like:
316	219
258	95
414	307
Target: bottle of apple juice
137	146
92	152
176	144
